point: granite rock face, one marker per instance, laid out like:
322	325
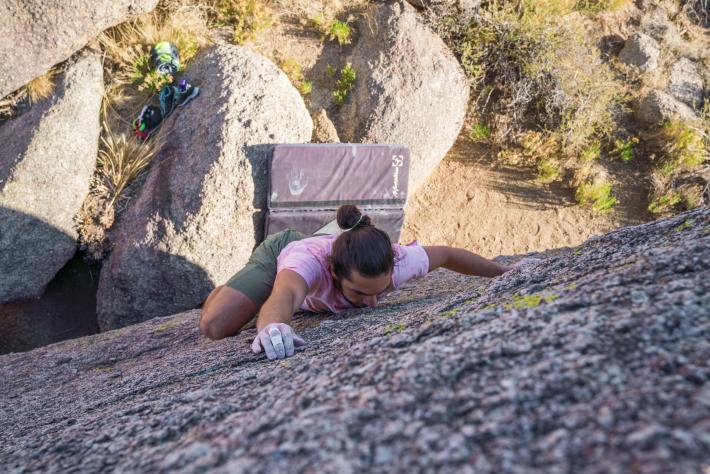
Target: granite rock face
47	157
200	211
595	360
410	89
36	35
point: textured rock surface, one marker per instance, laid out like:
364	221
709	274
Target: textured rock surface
410	89
323	129
601	367
36	34
686	84
641	51
198	215
47	156
657	106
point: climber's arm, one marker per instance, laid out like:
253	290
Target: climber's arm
462	261
289	291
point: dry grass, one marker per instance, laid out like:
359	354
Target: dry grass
131	76
41	87
121	159
247	18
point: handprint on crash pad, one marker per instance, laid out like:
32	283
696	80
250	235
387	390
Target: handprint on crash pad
297	181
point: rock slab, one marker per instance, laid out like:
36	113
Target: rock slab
595	360
36	34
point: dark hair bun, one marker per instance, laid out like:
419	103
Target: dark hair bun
348	215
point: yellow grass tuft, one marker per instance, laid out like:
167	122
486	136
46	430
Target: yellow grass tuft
121	159
41	87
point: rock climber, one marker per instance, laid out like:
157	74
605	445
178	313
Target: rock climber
291	271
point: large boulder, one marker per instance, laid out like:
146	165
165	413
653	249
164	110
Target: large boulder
657	106
199	213
593	361
686	84
641	51
409	90
47	158
36	34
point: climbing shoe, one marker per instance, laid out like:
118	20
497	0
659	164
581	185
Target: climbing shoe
185	92
172	96
149	118
167	99
166	58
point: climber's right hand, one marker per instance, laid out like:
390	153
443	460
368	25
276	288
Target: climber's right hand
278	340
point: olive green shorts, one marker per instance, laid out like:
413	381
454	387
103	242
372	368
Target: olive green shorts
256	279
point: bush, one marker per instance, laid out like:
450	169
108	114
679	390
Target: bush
597	195
537	70
345	84
625	148
295	73
596	6
247	18
333	29
479	132
682	146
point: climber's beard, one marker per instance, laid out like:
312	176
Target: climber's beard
339	287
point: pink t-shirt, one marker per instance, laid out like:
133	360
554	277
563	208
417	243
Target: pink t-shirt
308	258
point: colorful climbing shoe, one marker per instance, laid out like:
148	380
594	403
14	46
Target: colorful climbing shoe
166	58
172	96
185	92
149	118
167	99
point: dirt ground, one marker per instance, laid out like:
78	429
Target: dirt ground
470	203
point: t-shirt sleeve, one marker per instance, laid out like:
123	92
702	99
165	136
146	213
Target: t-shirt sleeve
301	262
413	262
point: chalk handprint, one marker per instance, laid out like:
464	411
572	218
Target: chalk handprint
297	181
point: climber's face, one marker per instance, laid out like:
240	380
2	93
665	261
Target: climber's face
362	291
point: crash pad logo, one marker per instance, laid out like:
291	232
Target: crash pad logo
397	163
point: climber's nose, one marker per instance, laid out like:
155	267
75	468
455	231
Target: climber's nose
370	301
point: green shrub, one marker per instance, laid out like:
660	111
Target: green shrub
540	69
548	170
295	73
665	203
479	132
305	87
597	195
345	84
625	148
333	29
682	147
591	153
248	18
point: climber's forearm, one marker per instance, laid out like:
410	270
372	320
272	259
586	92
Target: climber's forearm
468	263
278	308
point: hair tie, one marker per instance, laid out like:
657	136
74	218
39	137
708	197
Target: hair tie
358	221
